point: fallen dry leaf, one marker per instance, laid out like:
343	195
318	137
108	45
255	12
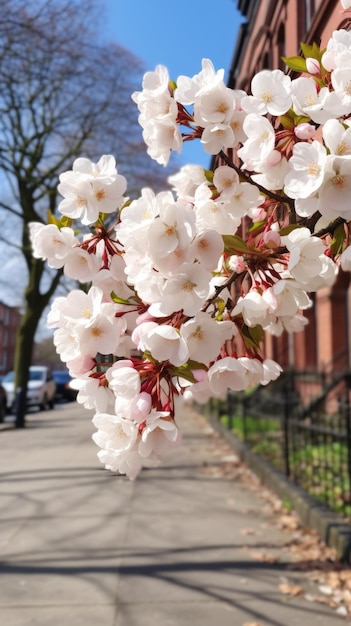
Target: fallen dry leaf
289	521
264	557
290	590
248	531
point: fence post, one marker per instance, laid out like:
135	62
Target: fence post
243	415
286	446
348	439
230	402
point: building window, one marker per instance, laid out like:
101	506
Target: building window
281	47
306	11
6	316
309	14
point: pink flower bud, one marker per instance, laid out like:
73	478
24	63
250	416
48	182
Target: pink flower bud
313	66
272	239
258	215
237	264
144	317
305	131
274	158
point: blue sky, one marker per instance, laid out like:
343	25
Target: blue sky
178	35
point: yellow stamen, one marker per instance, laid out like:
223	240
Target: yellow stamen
189	286
313	169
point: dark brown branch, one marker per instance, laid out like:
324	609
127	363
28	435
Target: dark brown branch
248	179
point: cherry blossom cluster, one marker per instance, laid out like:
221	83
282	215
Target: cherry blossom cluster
183	284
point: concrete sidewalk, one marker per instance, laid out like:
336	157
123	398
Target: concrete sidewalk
83	547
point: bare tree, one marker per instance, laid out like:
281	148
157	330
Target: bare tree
62	95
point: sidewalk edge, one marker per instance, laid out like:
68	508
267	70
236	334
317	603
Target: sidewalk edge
331	528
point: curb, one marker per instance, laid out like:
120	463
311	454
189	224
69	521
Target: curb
331	528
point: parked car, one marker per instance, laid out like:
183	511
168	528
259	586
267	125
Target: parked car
41	388
3	403
63	389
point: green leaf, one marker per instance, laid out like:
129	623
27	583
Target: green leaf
234	244
209	175
290	119
220	307
252	336
298	64
66	222
52	219
287	122
194	365
302	119
256	226
338	239
289	229
309	51
119	300
60	223
186	370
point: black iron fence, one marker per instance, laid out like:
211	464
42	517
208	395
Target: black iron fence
301	425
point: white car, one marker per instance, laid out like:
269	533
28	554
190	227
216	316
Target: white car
41	388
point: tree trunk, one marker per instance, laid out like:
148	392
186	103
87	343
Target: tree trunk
23	358
35	305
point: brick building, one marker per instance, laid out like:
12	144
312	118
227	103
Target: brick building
275	28
9	322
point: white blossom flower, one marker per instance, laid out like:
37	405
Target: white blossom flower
164	342
306	170
92	394
81	265
259	143
245	198
338	50
306	256
123	379
345	259
270	93
271	371
216	137
214	106
136	408
51	243
117	438
175	228
205	336
66	344
253	308
253	370
335	192
154	84
286	297
212	214
226	181
161	137
159	433
207	247
272	175
185	291
227	373
91	188
337	138
188	89
187	180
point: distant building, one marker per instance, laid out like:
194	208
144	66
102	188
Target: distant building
9	321
275	28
